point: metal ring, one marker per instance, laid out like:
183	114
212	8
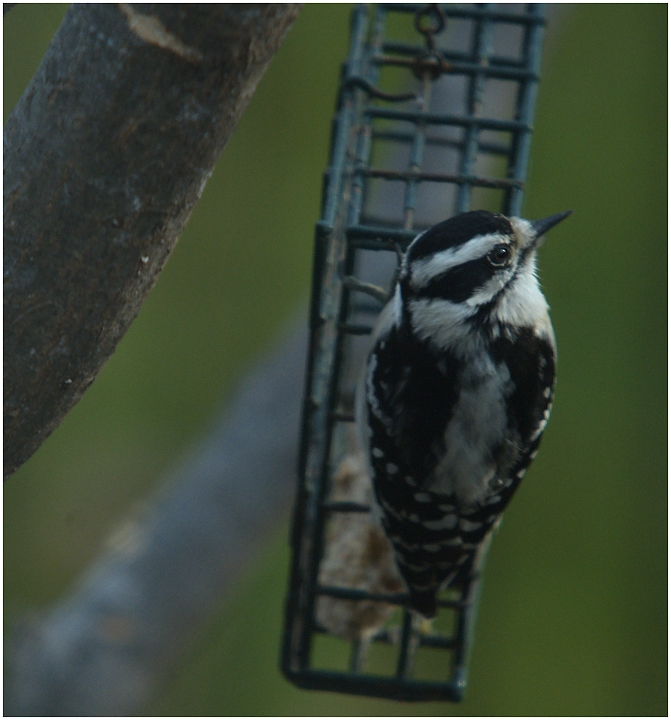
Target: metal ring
433	14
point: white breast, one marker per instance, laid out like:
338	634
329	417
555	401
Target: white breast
477	426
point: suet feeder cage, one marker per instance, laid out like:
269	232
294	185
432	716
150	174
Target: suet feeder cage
434	117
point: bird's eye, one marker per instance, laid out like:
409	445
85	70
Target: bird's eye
499	255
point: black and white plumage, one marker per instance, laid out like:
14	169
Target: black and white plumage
457	391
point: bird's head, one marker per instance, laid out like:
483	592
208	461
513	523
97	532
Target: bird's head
475	265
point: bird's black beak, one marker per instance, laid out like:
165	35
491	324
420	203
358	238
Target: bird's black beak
540	227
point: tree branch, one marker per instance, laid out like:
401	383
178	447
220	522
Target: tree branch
104	649
105	156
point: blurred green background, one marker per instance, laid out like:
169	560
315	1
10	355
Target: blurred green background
573	618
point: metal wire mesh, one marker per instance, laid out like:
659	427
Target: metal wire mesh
434	117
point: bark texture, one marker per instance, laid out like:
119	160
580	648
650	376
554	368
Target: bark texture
105	156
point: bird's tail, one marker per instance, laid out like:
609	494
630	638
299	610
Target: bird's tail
424	602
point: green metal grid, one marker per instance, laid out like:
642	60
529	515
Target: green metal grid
481	150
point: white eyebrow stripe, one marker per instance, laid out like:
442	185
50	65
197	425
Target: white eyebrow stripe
426	269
